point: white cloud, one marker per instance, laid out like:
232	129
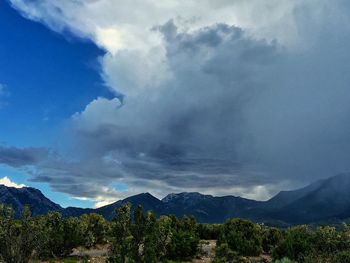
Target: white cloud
7	182
105	201
137	58
130	21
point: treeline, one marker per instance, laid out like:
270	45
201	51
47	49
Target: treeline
241	239
138	236
47	237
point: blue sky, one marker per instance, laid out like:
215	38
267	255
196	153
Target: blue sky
227	98
47	77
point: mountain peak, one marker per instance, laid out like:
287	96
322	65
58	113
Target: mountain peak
19	197
144	196
184	195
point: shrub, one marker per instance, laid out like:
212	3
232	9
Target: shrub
94	229
342	257
183	245
242	236
17	237
209	231
270	238
224	254
296	245
184	241
326	240
57	236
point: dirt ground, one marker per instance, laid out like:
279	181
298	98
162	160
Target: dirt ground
207	252
100	251
99	255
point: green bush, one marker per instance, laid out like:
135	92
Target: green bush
271	237
326	240
224	254
18	238
297	244
58	236
209	231
93	229
147	239
242	236
185	240
183	245
342	257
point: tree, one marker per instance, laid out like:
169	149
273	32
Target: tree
17	237
138	230
58	236
94	229
151	253
122	243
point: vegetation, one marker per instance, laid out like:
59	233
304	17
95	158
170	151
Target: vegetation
146	239
140	236
241	238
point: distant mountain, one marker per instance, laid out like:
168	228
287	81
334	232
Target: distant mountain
324	200
19	197
207	208
285	198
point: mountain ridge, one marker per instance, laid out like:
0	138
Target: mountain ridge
325	199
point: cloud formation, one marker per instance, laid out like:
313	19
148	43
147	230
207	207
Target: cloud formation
7	182
21	157
214	100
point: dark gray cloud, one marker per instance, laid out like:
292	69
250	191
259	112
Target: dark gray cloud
20	157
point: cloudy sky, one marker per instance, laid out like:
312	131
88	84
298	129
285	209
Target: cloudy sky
102	99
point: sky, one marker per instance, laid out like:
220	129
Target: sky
103	99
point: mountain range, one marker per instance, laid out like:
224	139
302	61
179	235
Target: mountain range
323	201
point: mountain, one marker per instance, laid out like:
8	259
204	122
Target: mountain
327	200
207	208
19	197
323	200
284	198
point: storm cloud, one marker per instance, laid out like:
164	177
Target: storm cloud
210	106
